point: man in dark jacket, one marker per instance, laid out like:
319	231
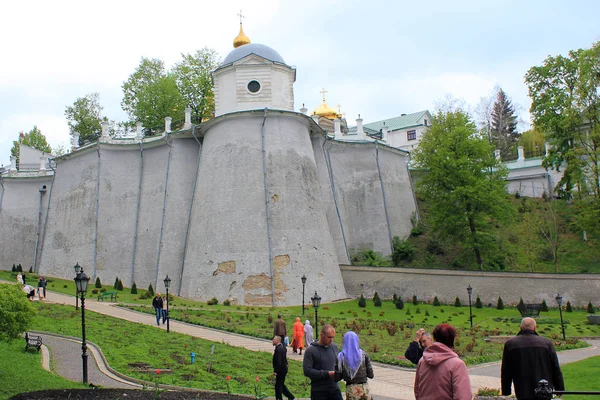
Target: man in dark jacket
320	364
528	358
157	303
280	369
280	330
417	347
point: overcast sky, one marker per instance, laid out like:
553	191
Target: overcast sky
376	58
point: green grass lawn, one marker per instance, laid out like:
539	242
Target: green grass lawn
582	376
22	371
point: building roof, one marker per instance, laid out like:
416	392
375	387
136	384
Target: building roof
399	123
253	48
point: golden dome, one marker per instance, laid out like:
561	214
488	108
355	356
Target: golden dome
324	110
241	39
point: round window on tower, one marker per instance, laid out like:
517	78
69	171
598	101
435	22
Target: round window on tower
254	86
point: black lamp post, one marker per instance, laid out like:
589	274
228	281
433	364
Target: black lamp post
316	301
77	268
303	285
81	282
470	291
167	284
562	325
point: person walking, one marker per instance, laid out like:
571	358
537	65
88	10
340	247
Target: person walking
308	333
20	279
280	370
528	358
320	365
355	367
157	303
416	347
40	288
298	341
279	329
45	283
165	312
440	374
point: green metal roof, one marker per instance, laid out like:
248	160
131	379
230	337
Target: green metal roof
401	122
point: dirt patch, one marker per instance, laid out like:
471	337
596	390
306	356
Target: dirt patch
123	394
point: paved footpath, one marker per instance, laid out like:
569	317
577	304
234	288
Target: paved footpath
390	382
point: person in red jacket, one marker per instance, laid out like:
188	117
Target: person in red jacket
441	375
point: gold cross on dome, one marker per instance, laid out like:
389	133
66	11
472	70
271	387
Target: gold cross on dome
241	16
339	108
323	91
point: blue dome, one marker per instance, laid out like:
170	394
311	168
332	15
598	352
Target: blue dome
253	48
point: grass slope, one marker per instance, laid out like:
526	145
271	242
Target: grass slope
582	376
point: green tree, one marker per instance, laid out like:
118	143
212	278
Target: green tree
504	133
533	143
464	184
34	138
194	81
150	94
16	313
85	117
362	302
399	303
478	303
500	304
457	302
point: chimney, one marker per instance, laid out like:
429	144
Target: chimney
75	140
337	128
13	163
42	162
521	153
304	110
359	127
384	132
188	118
105	135
168	124
139	131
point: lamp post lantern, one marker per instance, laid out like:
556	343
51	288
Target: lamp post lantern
316	301
470	291
562	325
77	269
303	285
81	282
167	284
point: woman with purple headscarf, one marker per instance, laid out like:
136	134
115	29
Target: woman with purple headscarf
354	366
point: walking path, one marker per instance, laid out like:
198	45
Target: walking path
390	382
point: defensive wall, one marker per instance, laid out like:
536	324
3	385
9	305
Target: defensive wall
446	285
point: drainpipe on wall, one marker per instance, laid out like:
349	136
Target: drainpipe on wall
2	194
39	228
98	165
164	211
412	188
267	208
387	217
137	214
47	212
187	232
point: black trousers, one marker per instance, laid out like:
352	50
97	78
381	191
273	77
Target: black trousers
280	388
333	394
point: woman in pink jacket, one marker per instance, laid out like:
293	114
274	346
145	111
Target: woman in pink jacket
441	374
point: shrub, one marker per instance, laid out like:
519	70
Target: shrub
478	303
521	304
377	302
403	250
427	313
227	303
544	306
362	302
488	392
569	307
418	311
369	258
399	303
436	302
94	291
500	304
98	283
375	296
120	285
134	288
414	300
394	298
212	302
116	284
102	290
150	291
14	268
408	311
270	319
417	230
590	308
434	247
457	302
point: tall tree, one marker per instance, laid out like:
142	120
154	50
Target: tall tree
34	138
504	125
464	184
193	77
151	94
85	117
533	142
16	314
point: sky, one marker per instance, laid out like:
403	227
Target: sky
376	58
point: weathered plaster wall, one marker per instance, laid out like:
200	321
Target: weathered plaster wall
446	285
19	219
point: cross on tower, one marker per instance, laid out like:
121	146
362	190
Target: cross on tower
241	16
339	108
323	91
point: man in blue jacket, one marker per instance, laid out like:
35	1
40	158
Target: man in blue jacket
320	362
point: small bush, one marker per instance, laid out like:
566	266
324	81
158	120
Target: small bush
98	283
227	303
377	302
362	302
414	300
488	392
436	302
120	285
590	308
270	319
457	302
102	290
394	298
427	313
569	307
500	304
150	291
418	311
94	291
212	302
399	303
408	311
116	284
134	288
375	296
544	306
403	251
478	303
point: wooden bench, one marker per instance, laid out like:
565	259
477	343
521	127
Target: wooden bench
529	310
113	296
32	341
